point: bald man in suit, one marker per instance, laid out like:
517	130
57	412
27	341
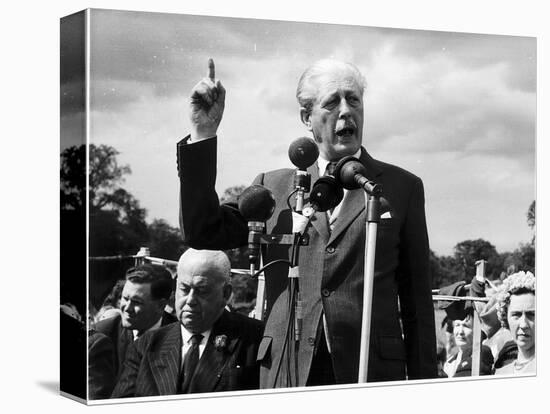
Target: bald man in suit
402	338
208	350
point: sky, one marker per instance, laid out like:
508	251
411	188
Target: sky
456	109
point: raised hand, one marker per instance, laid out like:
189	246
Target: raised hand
206	104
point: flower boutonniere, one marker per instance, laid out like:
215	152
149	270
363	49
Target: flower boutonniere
220	342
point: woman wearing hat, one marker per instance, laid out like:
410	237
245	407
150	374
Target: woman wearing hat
460	327
459	363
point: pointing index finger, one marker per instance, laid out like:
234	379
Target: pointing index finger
211	70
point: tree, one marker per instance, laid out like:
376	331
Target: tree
231	194
445	270
467	252
523	258
165	241
531	215
73	178
117	221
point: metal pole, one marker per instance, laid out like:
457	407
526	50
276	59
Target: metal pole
476	347
373	216
260	295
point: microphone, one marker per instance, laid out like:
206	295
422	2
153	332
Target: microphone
350	172
303	152
256	204
325	194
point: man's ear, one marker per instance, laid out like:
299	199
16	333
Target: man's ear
305	116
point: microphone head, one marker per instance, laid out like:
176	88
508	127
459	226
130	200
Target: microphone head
256	203
326	193
345	171
303	152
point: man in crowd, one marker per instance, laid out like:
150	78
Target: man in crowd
144	296
402	340
210	350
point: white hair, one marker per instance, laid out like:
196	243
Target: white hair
306	95
212	262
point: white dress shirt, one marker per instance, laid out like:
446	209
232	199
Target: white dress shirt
322	164
186	341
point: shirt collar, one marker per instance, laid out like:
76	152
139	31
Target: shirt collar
186	335
322	163
157	325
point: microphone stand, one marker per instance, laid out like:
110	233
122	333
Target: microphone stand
302	182
255	231
259	309
352	174
373	192
326	194
294	311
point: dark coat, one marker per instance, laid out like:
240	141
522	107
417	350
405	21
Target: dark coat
154	361
465	367
122	338
331	270
101	365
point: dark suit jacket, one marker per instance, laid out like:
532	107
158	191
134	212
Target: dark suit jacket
465	367
331	269
154	361
101	366
122	338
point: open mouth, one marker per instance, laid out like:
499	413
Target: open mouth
346	131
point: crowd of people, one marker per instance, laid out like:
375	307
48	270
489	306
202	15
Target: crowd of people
203	347
507	323
141	350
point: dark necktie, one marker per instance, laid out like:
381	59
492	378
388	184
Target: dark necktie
331	166
190	363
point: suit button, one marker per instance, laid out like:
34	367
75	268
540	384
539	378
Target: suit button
311	341
325	292
330	249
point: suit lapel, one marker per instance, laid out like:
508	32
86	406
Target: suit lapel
213	361
354	202
165	364
352	206
125	338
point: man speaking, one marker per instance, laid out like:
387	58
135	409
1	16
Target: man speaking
402	339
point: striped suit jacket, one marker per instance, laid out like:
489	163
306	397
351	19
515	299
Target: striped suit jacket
154	361
122	338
